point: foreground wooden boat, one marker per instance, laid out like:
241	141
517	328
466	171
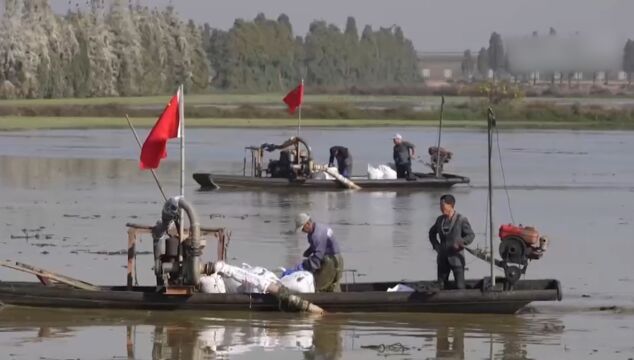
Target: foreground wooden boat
207	181
359	297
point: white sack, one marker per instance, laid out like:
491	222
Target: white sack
299	281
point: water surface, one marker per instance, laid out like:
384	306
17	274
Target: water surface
67	195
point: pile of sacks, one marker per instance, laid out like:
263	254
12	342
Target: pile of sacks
382	172
299	281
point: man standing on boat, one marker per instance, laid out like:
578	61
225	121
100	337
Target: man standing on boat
323	257
454	232
403	153
344	160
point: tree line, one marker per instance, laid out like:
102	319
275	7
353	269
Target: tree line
121	48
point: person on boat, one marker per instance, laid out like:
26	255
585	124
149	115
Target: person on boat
323	256
403	153
344	160
448	236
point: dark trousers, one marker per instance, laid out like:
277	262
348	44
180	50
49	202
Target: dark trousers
447	264
345	170
345	167
327	277
404	171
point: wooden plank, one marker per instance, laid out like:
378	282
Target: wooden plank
203	230
49	275
131	256
179	290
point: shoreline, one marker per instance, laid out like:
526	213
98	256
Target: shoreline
22	123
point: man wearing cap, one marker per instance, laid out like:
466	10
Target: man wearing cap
323	257
403	153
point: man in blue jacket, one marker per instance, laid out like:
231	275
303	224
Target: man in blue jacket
323	257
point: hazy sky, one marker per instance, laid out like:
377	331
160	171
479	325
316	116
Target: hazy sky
433	25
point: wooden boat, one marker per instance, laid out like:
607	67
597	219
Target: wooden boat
359	297
208	181
59	291
295	169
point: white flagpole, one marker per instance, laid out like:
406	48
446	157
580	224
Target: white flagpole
299	120
181	117
181	125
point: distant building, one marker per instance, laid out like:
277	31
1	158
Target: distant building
440	67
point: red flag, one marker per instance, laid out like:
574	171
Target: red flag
294	98
167	127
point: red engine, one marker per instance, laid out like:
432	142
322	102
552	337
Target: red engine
520	243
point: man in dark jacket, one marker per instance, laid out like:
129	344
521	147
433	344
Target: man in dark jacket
344	160
454	232
323	257
403	153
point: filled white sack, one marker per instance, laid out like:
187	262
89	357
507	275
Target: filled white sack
212	284
299	281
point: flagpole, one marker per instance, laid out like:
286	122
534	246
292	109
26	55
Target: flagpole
181	116
299	120
158	183
181	124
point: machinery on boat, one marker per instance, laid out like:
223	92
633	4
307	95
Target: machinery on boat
295	160
519	245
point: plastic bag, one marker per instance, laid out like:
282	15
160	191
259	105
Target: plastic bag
260	272
374	173
246	279
387	172
400	288
232	286
212	284
299	281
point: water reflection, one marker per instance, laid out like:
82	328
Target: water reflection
450	343
190	336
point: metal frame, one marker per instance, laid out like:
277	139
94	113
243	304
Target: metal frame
134	230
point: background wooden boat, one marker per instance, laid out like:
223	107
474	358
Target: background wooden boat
359	297
207	181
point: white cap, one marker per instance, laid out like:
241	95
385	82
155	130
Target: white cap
300	220
398	137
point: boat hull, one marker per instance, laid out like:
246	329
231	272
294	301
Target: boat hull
207	181
369	297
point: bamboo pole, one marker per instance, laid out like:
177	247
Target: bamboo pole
138	141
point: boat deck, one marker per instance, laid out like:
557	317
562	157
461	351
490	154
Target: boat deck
207	181
359	297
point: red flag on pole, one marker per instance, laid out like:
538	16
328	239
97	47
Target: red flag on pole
167	127
294	98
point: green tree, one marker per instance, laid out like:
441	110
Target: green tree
127	48
496	54
628	60
483	63
467	66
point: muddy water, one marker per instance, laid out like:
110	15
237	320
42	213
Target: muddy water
67	195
